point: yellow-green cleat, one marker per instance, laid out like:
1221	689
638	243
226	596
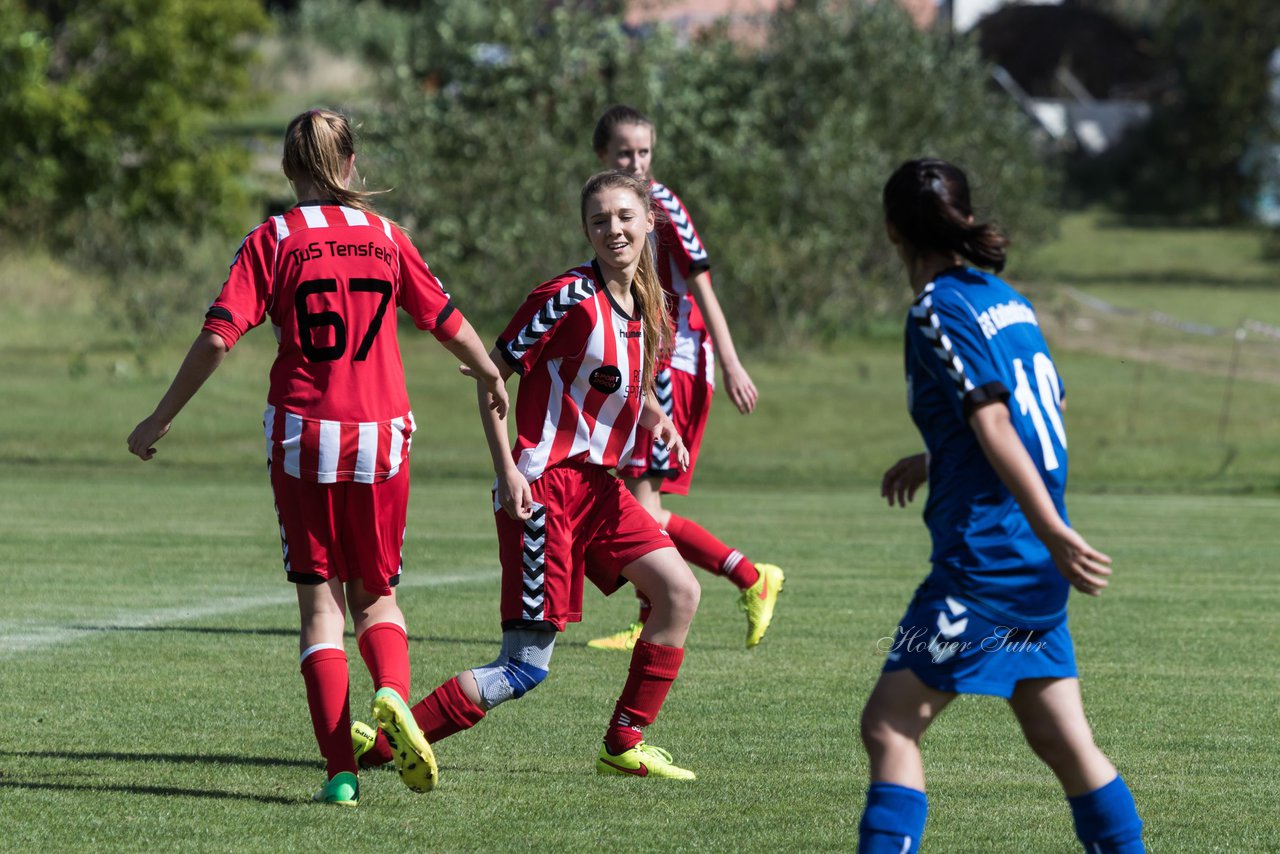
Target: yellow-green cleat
343	790
643	760
413	757
622	641
759	599
363	737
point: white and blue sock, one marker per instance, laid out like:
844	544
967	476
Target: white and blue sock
1107	820
893	820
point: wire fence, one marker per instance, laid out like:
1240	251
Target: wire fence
1249	351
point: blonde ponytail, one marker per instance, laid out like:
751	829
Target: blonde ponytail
317	146
651	301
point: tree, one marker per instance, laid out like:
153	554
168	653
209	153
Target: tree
110	108
1194	156
779	149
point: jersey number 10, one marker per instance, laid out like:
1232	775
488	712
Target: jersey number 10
309	321
1045	411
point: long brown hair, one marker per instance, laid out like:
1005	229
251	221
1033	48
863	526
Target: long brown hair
646	287
928	203
317	144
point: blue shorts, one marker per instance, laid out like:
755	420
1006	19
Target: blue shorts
952	648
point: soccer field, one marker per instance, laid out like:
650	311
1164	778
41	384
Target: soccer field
148	663
149	683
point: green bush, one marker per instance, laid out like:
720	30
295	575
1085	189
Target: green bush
109	116
778	148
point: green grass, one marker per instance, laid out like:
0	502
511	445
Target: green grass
148	673
1210	275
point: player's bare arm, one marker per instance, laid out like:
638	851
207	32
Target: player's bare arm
904	478
653	419
206	353
1082	565
737	382
480	366
513	493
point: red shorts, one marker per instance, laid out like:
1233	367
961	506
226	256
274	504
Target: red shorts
342	530
584	524
690	405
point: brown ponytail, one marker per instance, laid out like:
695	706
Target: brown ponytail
927	201
317	144
615	117
646	287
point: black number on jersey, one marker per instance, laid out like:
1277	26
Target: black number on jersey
309	321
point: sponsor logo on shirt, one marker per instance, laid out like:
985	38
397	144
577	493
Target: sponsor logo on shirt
606	379
1005	314
320	248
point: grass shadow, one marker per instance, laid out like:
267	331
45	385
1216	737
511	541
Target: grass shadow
161	791
226	630
176	758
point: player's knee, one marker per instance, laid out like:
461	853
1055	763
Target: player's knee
523	677
506	680
683	595
1054	748
879	733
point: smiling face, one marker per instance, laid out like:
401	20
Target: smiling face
617	222
630	150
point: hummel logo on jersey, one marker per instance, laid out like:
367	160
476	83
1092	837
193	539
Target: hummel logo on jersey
606	378
629	333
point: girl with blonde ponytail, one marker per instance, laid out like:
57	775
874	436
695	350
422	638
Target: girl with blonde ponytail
329	274
684	380
585	345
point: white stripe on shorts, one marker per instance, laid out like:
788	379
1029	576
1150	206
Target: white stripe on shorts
292	444
330	451
366	452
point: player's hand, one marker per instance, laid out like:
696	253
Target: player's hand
1080	563
903	478
742	391
665	432
496	387
514	494
145	435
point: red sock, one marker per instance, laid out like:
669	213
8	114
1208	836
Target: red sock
701	548
385	650
446	710
324	672
653	669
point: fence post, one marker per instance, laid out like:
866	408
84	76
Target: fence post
1144	347
1225	416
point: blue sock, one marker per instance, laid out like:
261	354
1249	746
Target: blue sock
1107	820
893	821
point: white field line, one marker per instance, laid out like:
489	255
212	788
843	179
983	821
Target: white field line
17	637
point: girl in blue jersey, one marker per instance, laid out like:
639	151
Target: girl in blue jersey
991	616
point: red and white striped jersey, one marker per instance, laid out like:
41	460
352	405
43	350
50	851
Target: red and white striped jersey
325	275
580	359
681	256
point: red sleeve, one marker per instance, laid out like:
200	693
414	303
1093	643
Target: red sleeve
421	294
547	326
679	236
242	303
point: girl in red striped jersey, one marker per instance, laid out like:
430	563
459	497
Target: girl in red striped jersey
624	139
337	424
584	344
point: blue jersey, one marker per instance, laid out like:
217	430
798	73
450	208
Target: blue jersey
971	339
